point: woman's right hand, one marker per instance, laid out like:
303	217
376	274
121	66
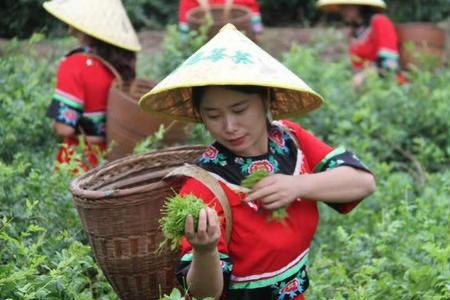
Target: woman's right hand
208	231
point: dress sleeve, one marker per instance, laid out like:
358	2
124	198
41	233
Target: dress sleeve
321	157
385	38
198	189
67	104
183	8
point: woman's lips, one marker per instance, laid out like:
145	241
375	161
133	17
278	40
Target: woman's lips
238	141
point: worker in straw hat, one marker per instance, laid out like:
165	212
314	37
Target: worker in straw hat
235	89
185	6
373	38
107	49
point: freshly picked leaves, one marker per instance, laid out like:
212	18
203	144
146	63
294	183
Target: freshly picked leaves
254	178
278	214
174	211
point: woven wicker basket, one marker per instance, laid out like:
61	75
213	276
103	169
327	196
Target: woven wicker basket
119	206
127	123
238	15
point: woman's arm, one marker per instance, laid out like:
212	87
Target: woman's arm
338	185
204	278
63	130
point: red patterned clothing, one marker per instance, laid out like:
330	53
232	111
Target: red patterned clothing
377	44
265	258
186	5
80	98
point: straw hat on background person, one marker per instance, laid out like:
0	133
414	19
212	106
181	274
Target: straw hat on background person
331	5
230	58
105	20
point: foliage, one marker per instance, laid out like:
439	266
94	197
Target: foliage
404	125
174	212
22	97
395	245
419	10
176	48
150	143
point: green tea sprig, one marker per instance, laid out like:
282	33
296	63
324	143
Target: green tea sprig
174	213
278	214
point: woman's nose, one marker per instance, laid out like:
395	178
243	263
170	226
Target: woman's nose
229	124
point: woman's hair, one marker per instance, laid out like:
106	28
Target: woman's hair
198	92
124	61
367	13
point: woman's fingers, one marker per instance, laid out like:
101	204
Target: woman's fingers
189	227
260	193
202	222
213	223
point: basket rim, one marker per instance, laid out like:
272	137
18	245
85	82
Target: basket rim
200	21
87	195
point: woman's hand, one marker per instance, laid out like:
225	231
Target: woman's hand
275	191
208	232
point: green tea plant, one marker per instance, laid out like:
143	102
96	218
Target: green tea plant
175	211
404	125
394	245
278	214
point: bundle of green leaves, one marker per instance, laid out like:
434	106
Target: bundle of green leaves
175	211
249	182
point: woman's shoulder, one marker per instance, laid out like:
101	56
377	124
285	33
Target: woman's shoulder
292	127
380	19
80	60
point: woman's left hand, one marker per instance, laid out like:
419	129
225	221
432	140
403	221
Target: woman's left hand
275	191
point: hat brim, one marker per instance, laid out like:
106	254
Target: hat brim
54	12
176	103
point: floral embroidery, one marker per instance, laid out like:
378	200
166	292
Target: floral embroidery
334	163
261	165
278	159
212	155
292	288
277	141
67	115
226	266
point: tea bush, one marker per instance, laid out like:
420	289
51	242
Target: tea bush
404	125
395	245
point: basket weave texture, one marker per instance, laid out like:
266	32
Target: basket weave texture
119	206
238	15
127	124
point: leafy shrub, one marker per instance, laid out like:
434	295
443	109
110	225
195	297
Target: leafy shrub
404	125
395	245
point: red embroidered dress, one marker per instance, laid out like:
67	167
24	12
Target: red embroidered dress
266	259
186	5
80	100
376	43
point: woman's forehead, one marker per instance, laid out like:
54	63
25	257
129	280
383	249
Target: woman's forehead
218	97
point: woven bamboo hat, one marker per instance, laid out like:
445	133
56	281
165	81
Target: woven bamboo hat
230	58
334	4
105	20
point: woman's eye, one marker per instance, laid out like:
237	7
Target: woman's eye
212	116
239	110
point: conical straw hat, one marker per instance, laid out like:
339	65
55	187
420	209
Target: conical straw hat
333	4
105	20
230	58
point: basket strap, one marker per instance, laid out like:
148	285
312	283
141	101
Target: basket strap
227	9
211	183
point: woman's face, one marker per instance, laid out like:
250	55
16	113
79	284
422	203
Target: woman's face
350	13
236	120
83	39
